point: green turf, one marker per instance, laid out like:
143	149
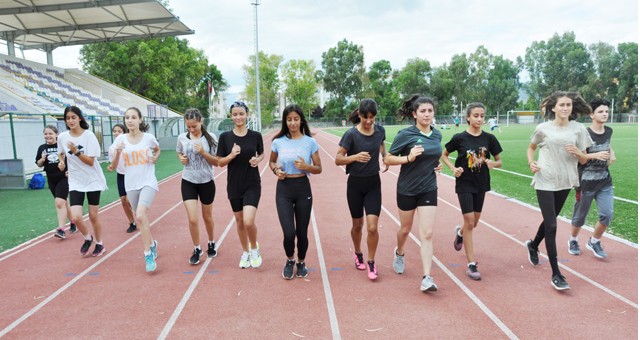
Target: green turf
515	139
25	214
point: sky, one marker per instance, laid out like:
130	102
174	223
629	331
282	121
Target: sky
386	29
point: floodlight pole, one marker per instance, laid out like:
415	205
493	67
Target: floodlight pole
256	3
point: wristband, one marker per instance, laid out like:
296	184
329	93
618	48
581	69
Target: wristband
274	170
408	161
77	154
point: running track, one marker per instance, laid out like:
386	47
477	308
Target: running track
49	291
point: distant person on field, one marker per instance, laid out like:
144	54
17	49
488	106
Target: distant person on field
562	141
595	181
475	148
117	130
493	123
139	151
47	157
80	148
417	149
456	120
360	150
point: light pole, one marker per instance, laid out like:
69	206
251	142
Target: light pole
256	3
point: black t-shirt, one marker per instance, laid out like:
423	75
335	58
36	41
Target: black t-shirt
594	175
51	163
355	142
240	174
472	153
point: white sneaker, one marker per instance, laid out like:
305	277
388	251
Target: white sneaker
255	258
244	260
428	285
398	262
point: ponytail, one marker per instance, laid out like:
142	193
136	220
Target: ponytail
411	105
354	117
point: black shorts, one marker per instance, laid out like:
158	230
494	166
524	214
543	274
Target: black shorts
471	202
407	203
205	191
364	193
59	186
251	197
121	190
77	197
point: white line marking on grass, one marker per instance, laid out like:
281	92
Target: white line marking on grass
77	278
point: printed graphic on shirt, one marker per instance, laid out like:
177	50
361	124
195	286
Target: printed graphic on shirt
596	169
80	149
136	157
476	158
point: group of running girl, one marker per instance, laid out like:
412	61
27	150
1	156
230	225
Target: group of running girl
294	156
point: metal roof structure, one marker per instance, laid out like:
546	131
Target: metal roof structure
48	24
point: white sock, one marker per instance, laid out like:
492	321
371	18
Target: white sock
87	237
198	247
594	240
100	243
572	238
147	253
212	242
471	263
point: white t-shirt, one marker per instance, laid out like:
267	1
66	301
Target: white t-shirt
112	156
138	171
197	170
83	177
558	167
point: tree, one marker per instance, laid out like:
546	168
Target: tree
413	77
381	89
628	78
269	84
342	72
298	77
218	85
166	70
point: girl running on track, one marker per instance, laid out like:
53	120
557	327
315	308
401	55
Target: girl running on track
47	157
562	141
360	149
294	155
417	149
82	149
475	148
242	150
117	130
196	151
139	151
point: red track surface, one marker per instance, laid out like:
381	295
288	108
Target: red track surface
49	291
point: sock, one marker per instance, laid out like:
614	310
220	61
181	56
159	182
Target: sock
471	263
100	243
212	242
147	253
198	247
460	232
594	240
573	238
87	237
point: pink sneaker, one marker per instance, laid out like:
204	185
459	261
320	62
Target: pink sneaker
359	261
372	270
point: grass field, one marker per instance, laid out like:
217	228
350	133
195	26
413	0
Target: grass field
514	178
25	214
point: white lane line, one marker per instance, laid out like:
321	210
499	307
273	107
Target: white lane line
78	277
333	318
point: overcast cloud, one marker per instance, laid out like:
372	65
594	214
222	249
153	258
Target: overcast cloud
391	30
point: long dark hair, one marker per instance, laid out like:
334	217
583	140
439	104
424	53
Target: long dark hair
366	106
121	126
578	105
83	122
411	105
193	113
144	127
284	130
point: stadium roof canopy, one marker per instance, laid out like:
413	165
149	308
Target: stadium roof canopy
47	24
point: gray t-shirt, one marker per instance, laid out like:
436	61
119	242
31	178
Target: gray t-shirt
558	167
197	170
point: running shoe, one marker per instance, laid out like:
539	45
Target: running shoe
98	250
195	257
150	262
359	261
559	282
301	270
287	272
73	228
154	250
85	246
398	262
255	259
244	260
574	248
211	250
457	242
428	285
60	234
372	271
532	252
132	227
472	271
597	249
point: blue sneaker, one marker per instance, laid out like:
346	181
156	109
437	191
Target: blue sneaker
154	249
150	262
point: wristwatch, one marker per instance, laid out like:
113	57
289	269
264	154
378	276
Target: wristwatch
77	154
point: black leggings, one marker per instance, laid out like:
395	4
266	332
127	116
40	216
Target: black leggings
550	203
294	202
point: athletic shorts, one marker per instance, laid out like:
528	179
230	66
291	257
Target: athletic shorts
192	191
364	193
407	203
77	197
251	197
121	189
144	197
59	187
470	202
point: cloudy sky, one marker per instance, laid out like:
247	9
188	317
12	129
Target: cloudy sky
388	29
